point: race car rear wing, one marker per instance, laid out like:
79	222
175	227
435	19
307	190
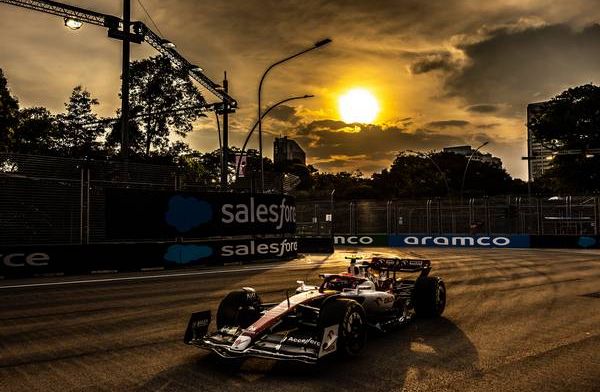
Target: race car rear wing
386	264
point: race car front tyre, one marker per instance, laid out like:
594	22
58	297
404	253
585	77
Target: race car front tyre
240	308
349	315
429	296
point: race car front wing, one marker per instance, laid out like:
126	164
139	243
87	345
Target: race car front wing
302	345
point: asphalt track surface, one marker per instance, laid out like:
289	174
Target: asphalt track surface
517	320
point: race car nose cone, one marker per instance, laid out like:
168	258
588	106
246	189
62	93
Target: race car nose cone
241	343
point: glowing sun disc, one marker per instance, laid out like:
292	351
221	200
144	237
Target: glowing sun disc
358	106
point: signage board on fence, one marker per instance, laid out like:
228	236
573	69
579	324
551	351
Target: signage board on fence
565	241
32	260
230	251
447	240
136	214
361	240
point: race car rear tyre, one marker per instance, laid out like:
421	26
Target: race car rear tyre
240	308
430	296
349	315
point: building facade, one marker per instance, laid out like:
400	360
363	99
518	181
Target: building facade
539	157
287	151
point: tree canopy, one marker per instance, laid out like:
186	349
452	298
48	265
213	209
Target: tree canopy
163	103
409	176
9	114
79	128
569	125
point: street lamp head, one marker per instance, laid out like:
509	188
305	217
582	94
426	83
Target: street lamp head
308	96
322	42
196	68
73	24
167	44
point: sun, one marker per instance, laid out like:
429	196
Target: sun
358	106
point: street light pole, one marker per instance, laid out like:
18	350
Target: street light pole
259	116
467	167
125	80
237	170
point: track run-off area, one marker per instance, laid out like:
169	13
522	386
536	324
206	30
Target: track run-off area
516	320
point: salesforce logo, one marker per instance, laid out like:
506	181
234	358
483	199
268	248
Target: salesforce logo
186	254
253	212
252	248
586	242
186	213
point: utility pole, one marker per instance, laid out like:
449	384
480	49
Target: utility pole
225	146
125	80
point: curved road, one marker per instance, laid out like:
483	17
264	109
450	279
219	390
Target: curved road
517	320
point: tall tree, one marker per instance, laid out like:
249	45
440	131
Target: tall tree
570	125
79	128
35	132
164	103
9	114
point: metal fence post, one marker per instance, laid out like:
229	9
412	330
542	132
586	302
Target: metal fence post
388	215
81	198
596	215
87	208
351	222
540	227
486	206
332	209
317	219
428	216
439	215
471	214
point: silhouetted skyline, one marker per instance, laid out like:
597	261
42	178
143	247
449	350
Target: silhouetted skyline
444	73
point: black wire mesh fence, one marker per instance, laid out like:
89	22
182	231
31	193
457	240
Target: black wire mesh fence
51	200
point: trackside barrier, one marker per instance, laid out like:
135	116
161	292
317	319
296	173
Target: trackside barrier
479	241
36	260
315	244
361	240
471	241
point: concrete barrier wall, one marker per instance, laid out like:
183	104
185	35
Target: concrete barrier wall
36	260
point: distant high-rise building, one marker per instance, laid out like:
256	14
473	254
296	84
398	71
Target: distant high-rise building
287	151
539	157
478	156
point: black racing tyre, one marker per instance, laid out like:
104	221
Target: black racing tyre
429	296
352	331
240	308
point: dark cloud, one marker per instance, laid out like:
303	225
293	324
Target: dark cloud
515	67
488	125
433	61
448	124
331	142
482	108
285	113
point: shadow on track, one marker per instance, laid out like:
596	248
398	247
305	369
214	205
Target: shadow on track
415	351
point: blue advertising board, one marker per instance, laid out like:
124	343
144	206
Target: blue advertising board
466	241
162	215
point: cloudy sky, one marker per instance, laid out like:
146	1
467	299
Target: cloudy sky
444	72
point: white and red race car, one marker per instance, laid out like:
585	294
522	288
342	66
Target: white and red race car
321	320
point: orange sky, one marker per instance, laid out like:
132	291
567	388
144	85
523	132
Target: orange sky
444	72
